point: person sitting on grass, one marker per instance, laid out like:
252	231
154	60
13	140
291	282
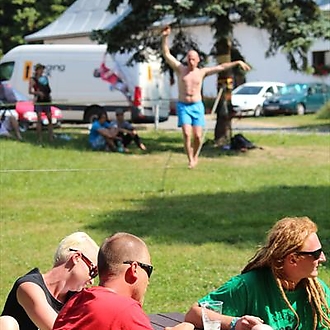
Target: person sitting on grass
36	298
9	123
124	272
279	284
8	117
126	131
102	135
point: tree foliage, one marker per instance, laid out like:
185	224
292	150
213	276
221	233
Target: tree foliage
291	24
22	17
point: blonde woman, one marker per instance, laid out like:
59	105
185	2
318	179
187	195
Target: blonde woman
279	284
36	298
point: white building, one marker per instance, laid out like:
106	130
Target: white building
82	17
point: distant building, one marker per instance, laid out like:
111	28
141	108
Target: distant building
78	21
83	16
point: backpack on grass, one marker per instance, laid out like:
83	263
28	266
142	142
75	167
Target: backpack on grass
239	142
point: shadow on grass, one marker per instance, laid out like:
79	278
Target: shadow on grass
315	128
239	218
163	141
62	140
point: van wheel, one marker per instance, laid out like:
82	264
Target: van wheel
300	109
92	113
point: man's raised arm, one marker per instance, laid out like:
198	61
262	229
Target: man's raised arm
225	66
169	58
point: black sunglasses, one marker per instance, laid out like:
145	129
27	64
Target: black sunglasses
147	268
92	268
315	254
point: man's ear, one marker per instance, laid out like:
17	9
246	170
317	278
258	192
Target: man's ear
131	275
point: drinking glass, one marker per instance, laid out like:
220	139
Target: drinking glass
210	320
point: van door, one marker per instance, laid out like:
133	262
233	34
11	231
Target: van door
154	91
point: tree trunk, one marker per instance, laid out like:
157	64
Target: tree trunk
222	131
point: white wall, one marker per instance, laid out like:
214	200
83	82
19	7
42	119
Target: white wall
254	43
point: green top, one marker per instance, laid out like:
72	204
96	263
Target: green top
256	293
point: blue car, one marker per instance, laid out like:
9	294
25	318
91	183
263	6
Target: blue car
297	99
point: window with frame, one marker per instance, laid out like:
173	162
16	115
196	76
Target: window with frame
270	90
321	62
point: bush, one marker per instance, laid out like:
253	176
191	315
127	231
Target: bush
324	112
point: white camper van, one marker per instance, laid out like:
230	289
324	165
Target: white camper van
85	80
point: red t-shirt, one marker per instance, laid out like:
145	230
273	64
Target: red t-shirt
98	308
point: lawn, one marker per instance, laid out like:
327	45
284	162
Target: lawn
201	225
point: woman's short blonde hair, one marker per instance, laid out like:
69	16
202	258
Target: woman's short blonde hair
78	241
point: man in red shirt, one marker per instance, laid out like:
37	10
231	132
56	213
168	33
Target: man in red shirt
116	304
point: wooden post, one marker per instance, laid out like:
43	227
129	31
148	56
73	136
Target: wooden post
156	114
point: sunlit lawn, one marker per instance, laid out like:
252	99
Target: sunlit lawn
201	225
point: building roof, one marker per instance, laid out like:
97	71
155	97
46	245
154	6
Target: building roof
84	16
80	19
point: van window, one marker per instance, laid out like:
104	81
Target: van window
6	70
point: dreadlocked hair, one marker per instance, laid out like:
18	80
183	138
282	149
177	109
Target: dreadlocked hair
318	302
287	236
279	284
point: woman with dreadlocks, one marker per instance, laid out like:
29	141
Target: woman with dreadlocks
279	284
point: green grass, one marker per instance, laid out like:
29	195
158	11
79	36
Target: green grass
201	225
309	122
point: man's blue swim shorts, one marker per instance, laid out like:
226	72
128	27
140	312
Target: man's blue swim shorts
190	113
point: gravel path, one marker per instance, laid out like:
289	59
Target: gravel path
240	125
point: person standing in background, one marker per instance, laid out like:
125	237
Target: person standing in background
190	108
40	89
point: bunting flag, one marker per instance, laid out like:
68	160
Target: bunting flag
114	80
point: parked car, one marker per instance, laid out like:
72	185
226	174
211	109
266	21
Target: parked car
298	99
10	98
247	99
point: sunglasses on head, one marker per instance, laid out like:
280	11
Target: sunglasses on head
92	268
315	254
147	268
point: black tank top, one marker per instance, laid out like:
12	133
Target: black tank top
41	84
14	309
